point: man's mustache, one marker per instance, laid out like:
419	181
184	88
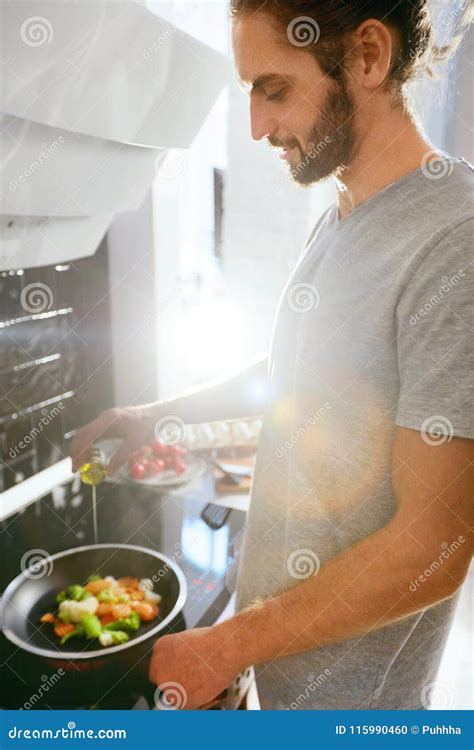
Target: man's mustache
276	143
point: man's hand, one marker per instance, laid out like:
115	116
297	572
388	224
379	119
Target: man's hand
133	424
194	667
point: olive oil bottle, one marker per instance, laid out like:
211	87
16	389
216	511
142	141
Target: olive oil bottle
95	470
93	473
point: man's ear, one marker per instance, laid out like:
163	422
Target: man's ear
374	50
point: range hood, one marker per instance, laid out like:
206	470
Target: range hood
94	94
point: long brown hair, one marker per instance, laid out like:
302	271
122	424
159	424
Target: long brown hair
334	20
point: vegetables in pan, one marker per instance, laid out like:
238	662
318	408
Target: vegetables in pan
105	609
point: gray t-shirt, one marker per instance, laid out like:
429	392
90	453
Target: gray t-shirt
373	330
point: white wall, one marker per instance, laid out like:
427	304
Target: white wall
267	221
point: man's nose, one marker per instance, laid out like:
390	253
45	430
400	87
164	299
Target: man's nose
262	125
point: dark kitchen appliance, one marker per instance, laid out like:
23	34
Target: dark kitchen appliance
56	367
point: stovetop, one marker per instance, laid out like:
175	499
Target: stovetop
170	523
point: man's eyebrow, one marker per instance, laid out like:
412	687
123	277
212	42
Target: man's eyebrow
266	79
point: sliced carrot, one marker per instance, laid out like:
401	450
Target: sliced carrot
63	628
121	610
104	608
128	582
48	617
136	595
95	587
105	619
145	610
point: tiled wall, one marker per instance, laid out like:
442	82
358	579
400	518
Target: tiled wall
54	374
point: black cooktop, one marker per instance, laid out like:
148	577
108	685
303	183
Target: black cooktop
170	523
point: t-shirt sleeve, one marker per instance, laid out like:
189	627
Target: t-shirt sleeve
435	324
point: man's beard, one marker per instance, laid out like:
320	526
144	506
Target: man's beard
331	141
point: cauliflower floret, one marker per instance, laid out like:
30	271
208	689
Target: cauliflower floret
151	597
71	611
146	585
105	638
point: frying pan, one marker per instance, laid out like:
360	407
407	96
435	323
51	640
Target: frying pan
89	674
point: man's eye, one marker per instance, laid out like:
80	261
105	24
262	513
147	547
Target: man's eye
277	96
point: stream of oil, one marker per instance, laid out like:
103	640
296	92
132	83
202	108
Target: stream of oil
94	514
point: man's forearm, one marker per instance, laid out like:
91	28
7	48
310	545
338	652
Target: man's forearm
243	395
364	588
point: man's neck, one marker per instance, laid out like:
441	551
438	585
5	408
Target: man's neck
385	155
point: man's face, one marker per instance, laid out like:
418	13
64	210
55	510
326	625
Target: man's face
293	104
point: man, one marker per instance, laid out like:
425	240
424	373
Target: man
358	535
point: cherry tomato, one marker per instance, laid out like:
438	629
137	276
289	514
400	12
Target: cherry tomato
176	450
179	467
159	449
156	466
138	471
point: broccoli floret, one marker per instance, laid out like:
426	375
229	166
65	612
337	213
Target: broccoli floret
129	624
77	592
94	577
91	624
107	595
61	597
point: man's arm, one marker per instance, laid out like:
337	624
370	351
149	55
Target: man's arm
375	583
243	395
